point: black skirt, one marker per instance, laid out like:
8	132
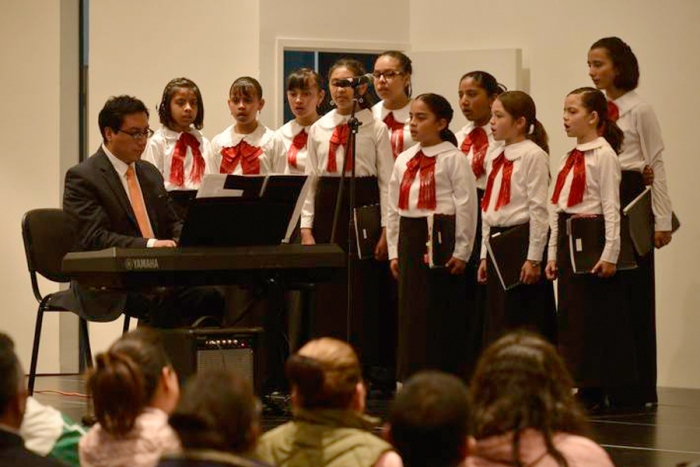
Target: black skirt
530	307
433	320
594	336
331	301
638	288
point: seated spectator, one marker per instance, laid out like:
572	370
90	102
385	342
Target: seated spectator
13	402
218	421
134	389
429	420
328	401
50	433
523	409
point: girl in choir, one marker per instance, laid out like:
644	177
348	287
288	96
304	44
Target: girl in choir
477	91
594	332
516	194
304	95
134	389
247	147
430	177
392	81
178	148
327	153
613	67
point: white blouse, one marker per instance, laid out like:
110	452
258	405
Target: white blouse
494	149
286	134
455	193
159	152
643	145
400	115
528	196
373	156
601	196
271	160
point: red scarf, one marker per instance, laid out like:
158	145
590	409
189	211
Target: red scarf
339	138
613	111
578	184
504	192
396	129
298	143
480	141
426	195
177	166
244	153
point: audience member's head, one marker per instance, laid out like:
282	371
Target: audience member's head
326	374
429	420
521	382
13	394
133	374
217	411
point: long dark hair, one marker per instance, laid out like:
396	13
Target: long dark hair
125	379
520	104
520	382
624	61
358	69
246	86
594	101
164	107
442	110
405	65
486	81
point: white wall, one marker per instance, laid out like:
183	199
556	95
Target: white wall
136	47
33	90
555	37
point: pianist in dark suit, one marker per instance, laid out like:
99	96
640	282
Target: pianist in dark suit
118	200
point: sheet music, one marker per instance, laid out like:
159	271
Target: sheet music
213	187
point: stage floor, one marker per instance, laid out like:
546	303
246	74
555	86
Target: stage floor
662	437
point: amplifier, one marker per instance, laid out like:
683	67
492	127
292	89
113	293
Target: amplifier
194	349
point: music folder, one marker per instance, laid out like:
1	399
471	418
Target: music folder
638	223
508	253
441	239
368	228
586	243
245	210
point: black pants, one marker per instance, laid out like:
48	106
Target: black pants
171	307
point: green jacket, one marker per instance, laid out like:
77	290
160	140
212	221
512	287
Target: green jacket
323	438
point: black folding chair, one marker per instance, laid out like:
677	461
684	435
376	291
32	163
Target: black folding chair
48	235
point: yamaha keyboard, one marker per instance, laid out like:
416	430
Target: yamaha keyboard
147	267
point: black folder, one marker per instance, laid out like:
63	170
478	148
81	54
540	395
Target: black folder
587	241
638	223
260	213
441	241
675	223
368	228
508	252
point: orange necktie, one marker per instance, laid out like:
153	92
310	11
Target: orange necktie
137	203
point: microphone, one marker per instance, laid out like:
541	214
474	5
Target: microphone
355	81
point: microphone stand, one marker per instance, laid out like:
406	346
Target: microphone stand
354	125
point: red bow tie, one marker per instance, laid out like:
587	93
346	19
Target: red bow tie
426	195
504	192
247	155
396	129
298	143
339	138
477	139
177	166
578	184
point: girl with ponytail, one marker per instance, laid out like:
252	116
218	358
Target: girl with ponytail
134	389
432	177
594	334
515	199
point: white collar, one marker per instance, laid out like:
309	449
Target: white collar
432	151
627	101
119	165
515	151
599	142
254	135
400	115
332	119
292	128
169	134
466	129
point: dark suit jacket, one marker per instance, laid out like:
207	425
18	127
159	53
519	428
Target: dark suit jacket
95	199
14	454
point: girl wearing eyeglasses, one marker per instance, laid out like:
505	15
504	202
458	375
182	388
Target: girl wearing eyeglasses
328	148
392	81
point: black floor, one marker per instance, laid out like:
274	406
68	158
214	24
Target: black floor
663	437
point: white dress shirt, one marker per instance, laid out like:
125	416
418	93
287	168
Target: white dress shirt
159	152
286	134
494	149
643	146
121	167
528	196
400	115
373	156
455	194
271	160
601	196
